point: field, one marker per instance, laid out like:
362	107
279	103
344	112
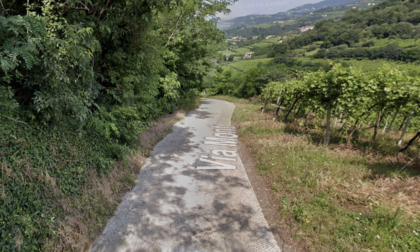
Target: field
342	198
242	50
265	25
373	65
245	65
384	42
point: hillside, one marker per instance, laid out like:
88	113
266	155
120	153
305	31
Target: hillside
388	31
298	11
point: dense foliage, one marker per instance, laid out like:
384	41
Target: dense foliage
79	80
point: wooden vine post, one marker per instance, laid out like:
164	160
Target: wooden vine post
393	119
328	128
405	128
265	103
276	111
386	125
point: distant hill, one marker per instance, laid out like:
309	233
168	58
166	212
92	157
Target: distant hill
295	18
295	12
323	4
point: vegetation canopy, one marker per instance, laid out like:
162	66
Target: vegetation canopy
79	81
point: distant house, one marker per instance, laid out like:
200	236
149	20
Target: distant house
254	37
270	36
278	22
306	28
280	41
371	4
248	55
354	7
238	38
325	15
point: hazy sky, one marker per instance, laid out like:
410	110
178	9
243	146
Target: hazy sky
248	7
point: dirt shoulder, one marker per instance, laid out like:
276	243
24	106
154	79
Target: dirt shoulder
269	203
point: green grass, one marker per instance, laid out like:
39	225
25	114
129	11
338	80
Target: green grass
245	65
368	66
265	25
264	43
242	50
400	42
311	53
373	65
336	199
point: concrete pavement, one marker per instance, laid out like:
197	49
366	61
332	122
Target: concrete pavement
193	194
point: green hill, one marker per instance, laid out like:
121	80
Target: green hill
233	26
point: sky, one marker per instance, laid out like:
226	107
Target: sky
249	7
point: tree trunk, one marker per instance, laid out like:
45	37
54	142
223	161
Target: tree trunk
356	124
376	126
410	142
276	111
265	103
393	119
343	126
386	125
352	131
290	110
328	128
297	112
405	128
402	124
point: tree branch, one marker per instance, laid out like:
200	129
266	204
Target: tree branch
4	10
15	120
410	142
86	8
103	10
176	28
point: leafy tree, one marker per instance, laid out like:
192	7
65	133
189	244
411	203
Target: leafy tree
88	77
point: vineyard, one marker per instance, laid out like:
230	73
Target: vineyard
350	99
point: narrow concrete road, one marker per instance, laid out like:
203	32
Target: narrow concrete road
193	194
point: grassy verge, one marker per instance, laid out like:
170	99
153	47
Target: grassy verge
338	199
87	214
58	190
102	195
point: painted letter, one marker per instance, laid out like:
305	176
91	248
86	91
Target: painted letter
225	153
226	135
221	167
